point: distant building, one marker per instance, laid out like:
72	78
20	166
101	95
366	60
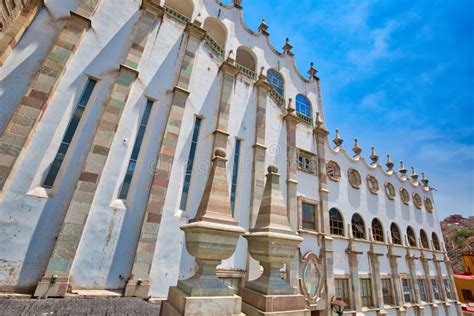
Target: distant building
465	282
111	113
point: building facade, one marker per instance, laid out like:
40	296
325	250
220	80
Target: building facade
117	121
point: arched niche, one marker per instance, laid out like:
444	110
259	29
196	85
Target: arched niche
183	7
216	30
245	57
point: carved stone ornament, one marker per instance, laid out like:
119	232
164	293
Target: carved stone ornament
311	281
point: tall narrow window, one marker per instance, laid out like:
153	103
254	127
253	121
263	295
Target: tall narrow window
434	285
235	174
336	222
396	236
342	291
407	297
422	288
387	292
309	220
366	292
377	230
67	138
448	289
189	166
358	226
132	164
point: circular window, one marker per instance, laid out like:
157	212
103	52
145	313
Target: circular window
390	190
405	196
373	184
354	178
428	205
417	200
333	171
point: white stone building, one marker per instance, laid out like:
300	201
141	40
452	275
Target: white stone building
110	112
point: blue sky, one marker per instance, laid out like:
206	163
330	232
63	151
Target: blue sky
398	75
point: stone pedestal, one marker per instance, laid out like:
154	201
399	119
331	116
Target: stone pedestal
181	304
261	304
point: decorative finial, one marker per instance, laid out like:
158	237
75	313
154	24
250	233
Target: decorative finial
374	157
338	140
389	163
262	70
357	149
238	4
312	71
263	28
414	176
288	47
319	120
402	170
424	180
290	109
197	21
272	169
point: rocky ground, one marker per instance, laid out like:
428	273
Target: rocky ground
77	306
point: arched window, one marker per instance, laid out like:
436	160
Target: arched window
411	236
436	243
303	108
396	236
217	31
246	62
276	81
333	170
377	230
424	239
183	7
336	222
358	226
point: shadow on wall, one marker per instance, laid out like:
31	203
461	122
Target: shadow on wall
53	214
390	208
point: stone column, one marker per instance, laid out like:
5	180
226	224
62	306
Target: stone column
454	292
67	243
320	135
398	295
439	278
12	35
376	280
352	254
258	164
273	243
21	126
429	287
139	283
211	237
229	72
292	120
412	270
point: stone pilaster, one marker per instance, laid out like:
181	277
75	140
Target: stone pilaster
396	280
211	237
376	280
439	278
229	72
352	254
258	163
21	126
12	35
273	243
412	271
320	135
292	121
67	243
454	292
139	283
429	287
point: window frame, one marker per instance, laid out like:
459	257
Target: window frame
336	176
428	205
392	225
345	289
314	223
309	158
415	243
447	286
417	201
435	241
409	287
423	290
354	178
366	292
340	221
404	196
373	184
274	85
390	294
364	236
235	173
307	107
425	244
390	191
377	232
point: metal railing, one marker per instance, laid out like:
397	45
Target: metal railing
176	15
214	47
246	71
